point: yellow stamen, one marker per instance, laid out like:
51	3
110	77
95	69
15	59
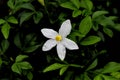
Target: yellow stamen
58	38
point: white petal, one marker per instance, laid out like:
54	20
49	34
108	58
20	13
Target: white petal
61	51
49	44
69	44
49	33
65	28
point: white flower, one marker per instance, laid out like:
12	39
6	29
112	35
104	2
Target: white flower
59	39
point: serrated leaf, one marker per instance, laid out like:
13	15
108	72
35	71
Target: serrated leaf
85	25
69	5
5	30
37	17
108	32
63	69
76	3
90	40
13	20
53	67
93	65
25	16
31	48
2	21
111	67
20	58
98	14
76	13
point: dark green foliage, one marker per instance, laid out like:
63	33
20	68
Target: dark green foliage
94	24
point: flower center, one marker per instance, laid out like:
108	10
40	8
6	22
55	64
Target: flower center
58	38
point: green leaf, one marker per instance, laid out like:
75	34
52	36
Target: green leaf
93	65
101	35
37	17
25	16
31	48
98	77
73	36
83	76
24	6
115	74
90	40
86	77
20	58
0	62
111	67
16	68
69	75
17	41
5	30
29	38
25	65
10	4
53	67
105	77
117	27
30	76
105	22
63	69
87	4
76	13
41	2
98	14
113	18
13	20
76	3
69	5
4	46
85	25
27	6
95	27
108	32
2	21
